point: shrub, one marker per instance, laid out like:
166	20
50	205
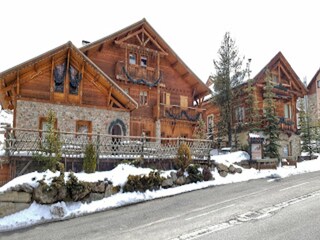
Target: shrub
183	159
194	174
141	183
90	159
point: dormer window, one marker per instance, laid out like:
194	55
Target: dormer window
132	58
143	61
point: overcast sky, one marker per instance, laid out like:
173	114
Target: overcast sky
194	29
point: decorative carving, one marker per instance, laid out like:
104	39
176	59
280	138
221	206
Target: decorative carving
141	81
74	80
181	114
59	75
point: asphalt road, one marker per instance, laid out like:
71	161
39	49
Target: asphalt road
260	209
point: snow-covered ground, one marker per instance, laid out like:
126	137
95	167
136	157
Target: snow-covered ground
37	213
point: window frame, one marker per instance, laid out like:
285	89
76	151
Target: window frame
132	54
143	98
210	123
144	61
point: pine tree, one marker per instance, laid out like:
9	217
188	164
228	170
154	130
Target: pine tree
253	119
271	122
304	125
200	130
50	145
228	76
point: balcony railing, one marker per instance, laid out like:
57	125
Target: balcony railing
26	142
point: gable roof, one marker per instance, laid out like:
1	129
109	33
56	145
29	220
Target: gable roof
163	48
279	57
8	78
313	79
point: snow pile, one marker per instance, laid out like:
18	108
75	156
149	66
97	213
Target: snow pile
231	158
37	213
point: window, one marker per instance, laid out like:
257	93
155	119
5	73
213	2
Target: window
132	58
84	127
210	124
167	98
318	83
43	126
287	111
183	101
143	61
143	98
239	114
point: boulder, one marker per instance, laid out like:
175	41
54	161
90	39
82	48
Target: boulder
58	210
13	196
173	176
232	169
79	191
109	191
25	187
8	208
207	175
223	173
238	170
181	180
93	197
98	187
167	183
222	167
45	194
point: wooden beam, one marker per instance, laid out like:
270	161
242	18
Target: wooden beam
66	80
100	47
18	83
109	97
52	80
137	36
145	43
128	36
174	64
81	82
185	75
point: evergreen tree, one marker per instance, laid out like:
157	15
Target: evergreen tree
200	130
271	122
50	145
304	125
228	76
253	119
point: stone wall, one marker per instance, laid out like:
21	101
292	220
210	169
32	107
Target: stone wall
28	113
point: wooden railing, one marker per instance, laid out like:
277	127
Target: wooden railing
26	142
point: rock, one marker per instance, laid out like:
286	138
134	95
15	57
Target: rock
25	187
222	167
17	197
207	175
63	194
58	210
8	208
109	191
94	197
80	191
98	187
238	170
173	176
167	183
232	169
223	173
45	194
181	180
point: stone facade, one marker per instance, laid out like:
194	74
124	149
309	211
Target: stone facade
28	114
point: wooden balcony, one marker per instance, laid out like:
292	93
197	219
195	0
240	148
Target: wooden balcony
287	124
137	74
175	112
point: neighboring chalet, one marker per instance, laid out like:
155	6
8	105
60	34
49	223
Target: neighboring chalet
168	93
287	87
314	98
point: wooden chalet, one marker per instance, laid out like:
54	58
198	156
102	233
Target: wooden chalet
287	88
168	93
314	97
83	97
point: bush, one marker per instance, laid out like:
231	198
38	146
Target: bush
183	159
194	174
142	183
90	159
